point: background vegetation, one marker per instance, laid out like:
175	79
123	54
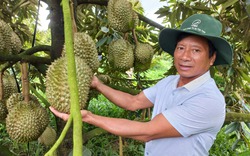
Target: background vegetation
91	17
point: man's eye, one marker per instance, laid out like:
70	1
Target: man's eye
196	50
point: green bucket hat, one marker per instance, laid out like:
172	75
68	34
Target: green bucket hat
201	25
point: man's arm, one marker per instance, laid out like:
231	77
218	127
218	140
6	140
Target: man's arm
158	127
122	99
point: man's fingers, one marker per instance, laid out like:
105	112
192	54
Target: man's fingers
59	114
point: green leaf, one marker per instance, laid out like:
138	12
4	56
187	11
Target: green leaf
101	41
228	3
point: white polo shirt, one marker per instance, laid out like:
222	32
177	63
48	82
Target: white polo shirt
196	110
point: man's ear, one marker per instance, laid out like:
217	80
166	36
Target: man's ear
212	59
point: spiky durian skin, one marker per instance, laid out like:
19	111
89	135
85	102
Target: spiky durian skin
26	121
18	97
143	56
9	86
121	55
120	15
5	45
57	88
3	110
16	43
48	137
84	47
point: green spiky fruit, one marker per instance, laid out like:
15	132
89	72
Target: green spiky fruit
9	86
121	55
3	110
84	47
18	97
26	121
5	39
143	56
48	137
57	88
121	15
16	43
104	78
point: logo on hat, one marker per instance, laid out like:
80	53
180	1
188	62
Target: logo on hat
196	23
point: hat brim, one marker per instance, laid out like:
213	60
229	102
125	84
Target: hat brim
224	52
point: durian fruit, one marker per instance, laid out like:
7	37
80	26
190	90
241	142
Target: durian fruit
5	39
84	47
121	15
9	85
48	137
143	56
26	121
16	43
121	55
57	88
18	97
3	110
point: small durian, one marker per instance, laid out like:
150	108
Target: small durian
57	88
48	137
121	15
26	121
9	85
143	56
16	43
121	55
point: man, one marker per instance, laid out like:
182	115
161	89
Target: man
189	109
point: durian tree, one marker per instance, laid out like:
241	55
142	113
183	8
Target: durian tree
93	18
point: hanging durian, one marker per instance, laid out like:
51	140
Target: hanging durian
57	88
26	121
84	47
9	85
121	15
18	97
143	56
5	39
121	55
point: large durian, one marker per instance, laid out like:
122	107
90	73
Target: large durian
121	55
121	15
26	121
143	56
16	43
9	85
48	137
18	97
57	88
84	47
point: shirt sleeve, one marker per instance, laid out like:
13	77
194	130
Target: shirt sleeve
150	93
196	115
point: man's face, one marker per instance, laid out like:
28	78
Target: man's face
191	58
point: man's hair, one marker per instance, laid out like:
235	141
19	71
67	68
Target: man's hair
211	47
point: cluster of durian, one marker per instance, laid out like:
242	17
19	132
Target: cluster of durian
10	43
121	15
86	60
123	55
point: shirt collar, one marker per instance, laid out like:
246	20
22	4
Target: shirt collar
198	81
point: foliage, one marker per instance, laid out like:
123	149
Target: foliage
233	81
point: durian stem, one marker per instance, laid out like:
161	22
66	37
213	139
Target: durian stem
61	137
1	85
71	68
44	101
25	81
134	35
